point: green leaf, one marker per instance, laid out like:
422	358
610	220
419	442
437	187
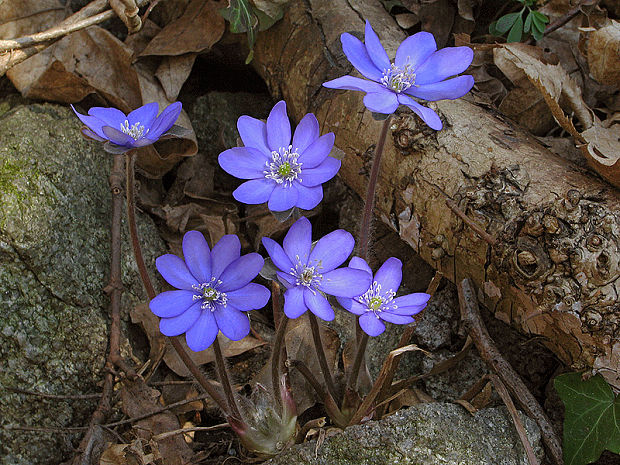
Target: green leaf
242	18
493	29
528	23
537	34
592	418
505	22
541	17
516	31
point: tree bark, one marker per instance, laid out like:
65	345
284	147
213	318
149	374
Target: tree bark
554	270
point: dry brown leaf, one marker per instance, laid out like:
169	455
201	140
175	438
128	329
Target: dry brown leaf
602	149
141	314
436	16
173	71
173	393
272	8
21	17
214	221
139	399
604	54
196	30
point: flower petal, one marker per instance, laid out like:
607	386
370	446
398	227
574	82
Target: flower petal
309	197
165	120
243	162
357	54
249	297
226	251
181	323
110	116
390	275
428	116
253	133
286	279
449	89
171	303
371	325
317	152
306	132
202	333
345	282
443	64
412	300
353	83
332	250
298	241
93	123
375	50
233	323
278	127
197	255
360	264
381	102
415	50
345	302
175	272
318	305
412	310
282	198
357	308
396	319
277	254
117	137
241	272
294	305
255	191
91	135
145	115
324	172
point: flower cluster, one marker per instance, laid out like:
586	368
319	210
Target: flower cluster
282	172
123	132
419	70
214	291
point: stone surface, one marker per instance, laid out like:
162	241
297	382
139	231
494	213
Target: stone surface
54	262
428	434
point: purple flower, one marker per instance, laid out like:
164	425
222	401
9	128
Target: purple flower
378	303
214	291
419	70
125	132
284	173
308	271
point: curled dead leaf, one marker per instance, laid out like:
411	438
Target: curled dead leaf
604	54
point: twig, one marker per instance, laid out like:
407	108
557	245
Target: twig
570	14
470	314
167	434
471	223
55	396
66	429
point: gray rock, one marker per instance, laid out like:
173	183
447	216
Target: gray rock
54	263
428	434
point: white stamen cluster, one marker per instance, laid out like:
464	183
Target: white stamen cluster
398	79
307	276
136	131
377	301
209	295
283	168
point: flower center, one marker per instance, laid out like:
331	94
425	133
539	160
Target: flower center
209	295
136	131
283	167
307	276
398	79
377	301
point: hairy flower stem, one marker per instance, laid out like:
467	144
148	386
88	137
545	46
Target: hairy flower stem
369	202
148	285
357	362
278	345
320	352
222	373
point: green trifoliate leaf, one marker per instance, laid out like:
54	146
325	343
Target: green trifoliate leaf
528	23
505	22
516	31
592	418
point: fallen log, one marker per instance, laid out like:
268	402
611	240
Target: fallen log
549	264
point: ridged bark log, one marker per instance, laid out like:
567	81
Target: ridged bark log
554	271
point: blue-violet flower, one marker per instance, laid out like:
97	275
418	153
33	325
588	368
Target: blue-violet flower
125	132
419	70
379	301
282	172
214	291
308	272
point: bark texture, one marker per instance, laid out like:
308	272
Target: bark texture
554	271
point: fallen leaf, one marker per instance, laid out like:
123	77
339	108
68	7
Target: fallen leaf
435	16
141	314
173	71
198	29
213	220
602	150
21	17
604	54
